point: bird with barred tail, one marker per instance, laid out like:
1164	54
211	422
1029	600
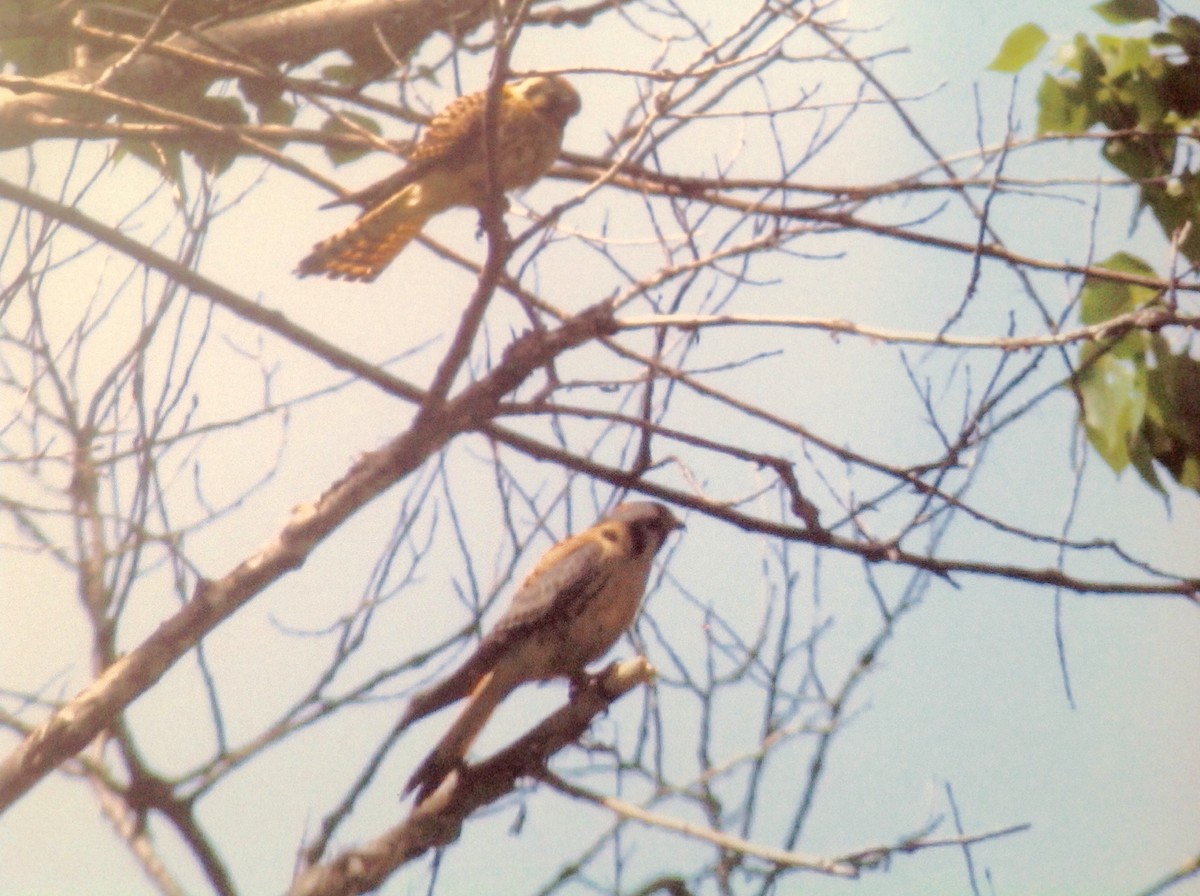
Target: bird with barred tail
582	595
449	167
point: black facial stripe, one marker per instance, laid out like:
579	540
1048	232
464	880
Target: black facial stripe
639	535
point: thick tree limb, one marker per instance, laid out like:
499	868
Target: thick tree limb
283	37
438	820
73	726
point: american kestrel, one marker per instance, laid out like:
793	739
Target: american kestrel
582	595
449	167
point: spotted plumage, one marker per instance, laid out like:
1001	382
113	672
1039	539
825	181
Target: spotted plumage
448	167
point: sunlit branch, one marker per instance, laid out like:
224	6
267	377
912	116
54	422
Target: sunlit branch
1150	319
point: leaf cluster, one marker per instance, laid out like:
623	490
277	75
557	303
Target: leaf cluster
1140	398
1146	91
215	94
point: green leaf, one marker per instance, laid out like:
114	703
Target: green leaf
167	162
339	155
211	152
1060	109
351	75
1139	158
1174	396
1091	66
1176	204
1020	48
1189	475
1114	404
1169	435
1123	54
1142	459
34	56
278	111
1123	12
267	98
1180	88
1102	300
1186	31
217	109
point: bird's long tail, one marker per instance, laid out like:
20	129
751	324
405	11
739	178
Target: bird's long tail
366	247
454	687
452	748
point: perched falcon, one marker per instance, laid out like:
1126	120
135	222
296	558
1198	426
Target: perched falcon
582	595
449	167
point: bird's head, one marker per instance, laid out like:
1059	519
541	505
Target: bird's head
649	524
550	95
